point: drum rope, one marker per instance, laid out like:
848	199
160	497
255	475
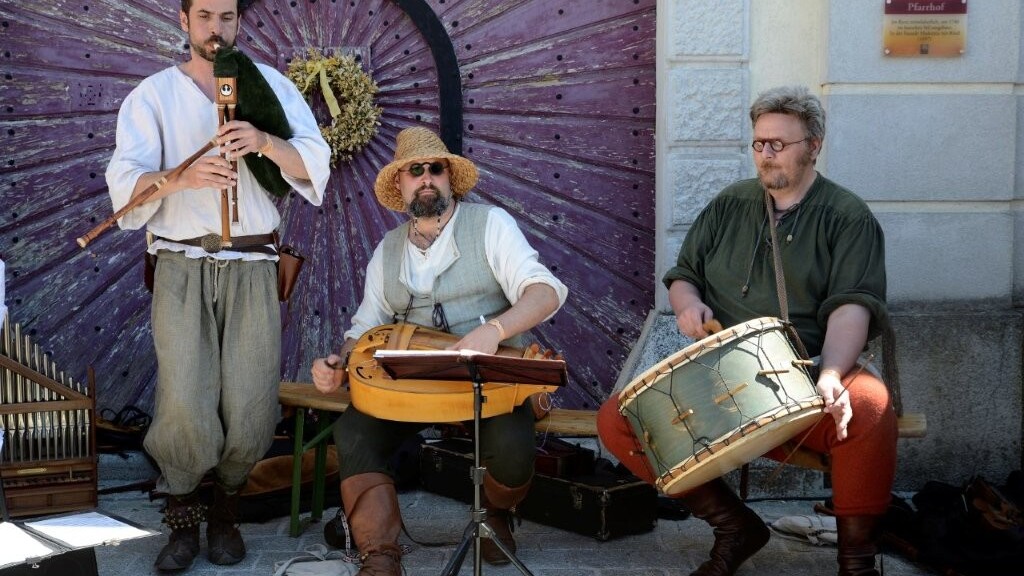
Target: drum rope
775	473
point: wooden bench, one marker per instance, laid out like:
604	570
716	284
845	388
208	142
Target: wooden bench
559	421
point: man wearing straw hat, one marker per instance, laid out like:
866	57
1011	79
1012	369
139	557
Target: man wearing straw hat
450	265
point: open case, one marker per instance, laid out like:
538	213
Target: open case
61	545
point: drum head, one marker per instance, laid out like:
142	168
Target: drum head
740	448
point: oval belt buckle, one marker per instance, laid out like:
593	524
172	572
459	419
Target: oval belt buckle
211	243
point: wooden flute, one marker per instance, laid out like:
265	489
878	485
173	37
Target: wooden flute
144	196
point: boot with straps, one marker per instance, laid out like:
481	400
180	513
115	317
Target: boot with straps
858	544
500	502
739	531
183	515
374	519
223	540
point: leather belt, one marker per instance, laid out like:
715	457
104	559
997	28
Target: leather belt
212	243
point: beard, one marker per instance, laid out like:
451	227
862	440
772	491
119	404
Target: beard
779	179
435	205
209	55
776	181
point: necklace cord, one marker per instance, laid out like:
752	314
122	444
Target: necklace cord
430	241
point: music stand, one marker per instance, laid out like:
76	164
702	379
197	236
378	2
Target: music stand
477	368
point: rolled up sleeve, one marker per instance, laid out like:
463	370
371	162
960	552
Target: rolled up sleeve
516	265
137	152
306	138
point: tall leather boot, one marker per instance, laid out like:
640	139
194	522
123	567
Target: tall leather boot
371	505
223	540
858	544
739	531
182	515
500	501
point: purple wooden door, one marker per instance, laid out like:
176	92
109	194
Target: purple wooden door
554	101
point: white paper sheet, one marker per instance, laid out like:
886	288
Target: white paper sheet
428	353
86	529
16	545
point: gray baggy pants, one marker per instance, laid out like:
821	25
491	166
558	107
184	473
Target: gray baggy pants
217	332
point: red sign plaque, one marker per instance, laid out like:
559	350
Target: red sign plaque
925	28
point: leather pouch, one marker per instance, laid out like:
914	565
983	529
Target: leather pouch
149	265
149	270
289	264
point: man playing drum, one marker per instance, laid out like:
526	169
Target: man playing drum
833	257
452	266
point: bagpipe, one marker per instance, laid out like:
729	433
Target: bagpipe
242	94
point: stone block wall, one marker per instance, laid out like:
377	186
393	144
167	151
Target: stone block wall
934	146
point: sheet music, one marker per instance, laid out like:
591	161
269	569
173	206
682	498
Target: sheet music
19	545
86	529
452	365
427	353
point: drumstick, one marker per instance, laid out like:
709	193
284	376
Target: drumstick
712	326
775	472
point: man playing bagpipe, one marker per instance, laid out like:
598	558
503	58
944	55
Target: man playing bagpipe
216	315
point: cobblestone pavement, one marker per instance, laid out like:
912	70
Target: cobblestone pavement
673	548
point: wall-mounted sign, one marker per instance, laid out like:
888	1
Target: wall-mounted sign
925	28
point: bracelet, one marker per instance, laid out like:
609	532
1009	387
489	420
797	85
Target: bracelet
501	329
266	147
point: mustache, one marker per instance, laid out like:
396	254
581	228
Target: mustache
430	187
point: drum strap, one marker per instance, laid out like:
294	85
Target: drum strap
780	279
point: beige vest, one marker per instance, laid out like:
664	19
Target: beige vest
463	291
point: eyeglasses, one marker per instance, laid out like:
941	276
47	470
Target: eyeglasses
416	170
776	145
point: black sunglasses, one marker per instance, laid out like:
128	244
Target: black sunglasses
416	170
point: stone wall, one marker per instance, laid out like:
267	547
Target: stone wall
934	146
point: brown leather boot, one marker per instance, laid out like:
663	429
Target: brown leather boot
371	505
858	544
223	540
739	531
182	515
500	501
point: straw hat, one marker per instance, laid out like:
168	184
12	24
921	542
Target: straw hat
418	144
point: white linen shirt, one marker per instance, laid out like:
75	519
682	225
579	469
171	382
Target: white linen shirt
166	119
513	261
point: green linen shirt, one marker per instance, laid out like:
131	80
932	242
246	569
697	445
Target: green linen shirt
833	253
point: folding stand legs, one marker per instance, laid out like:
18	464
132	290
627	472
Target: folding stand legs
477	529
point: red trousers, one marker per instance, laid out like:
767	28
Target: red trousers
863	465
